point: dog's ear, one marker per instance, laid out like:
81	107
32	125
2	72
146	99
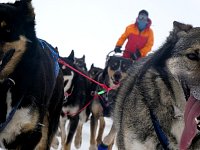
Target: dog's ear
181	26
107	60
92	66
71	56
181	29
105	72
83	58
26	9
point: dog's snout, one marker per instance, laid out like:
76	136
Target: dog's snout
117	75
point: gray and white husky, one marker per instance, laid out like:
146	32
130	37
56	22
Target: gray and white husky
157	105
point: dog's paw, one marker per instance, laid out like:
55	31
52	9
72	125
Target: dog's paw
99	140
93	147
77	142
55	143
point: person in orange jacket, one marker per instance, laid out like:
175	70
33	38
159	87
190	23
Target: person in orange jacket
140	38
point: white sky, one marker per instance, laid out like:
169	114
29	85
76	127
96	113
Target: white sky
92	27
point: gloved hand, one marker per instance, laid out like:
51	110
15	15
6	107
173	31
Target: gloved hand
136	55
102	147
117	49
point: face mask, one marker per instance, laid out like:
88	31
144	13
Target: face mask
141	25
143	17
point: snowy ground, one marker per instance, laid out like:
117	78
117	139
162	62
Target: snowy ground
86	136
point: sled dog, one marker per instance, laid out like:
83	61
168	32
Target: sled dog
31	82
157	105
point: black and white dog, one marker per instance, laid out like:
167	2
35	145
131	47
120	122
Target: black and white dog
76	104
31	83
93	71
111	76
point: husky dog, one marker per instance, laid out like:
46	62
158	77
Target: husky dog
77	96
112	75
31	82
79	62
151	112
94	71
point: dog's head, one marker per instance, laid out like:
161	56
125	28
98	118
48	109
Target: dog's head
183	61
117	67
94	71
80	62
17	28
16	21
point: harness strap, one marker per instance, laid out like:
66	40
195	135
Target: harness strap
74	114
159	132
105	87
67	65
10	116
67	94
54	54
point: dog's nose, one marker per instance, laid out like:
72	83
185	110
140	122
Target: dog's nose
117	76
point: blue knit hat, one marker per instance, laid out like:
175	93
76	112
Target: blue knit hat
144	12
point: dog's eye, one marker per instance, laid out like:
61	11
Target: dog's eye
124	68
193	56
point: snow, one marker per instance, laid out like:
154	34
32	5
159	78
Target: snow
86	136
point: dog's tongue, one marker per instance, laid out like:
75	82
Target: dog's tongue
192	111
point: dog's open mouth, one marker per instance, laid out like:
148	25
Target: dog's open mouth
116	82
192	111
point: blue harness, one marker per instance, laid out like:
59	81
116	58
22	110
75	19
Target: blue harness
54	54
159	132
12	112
10	116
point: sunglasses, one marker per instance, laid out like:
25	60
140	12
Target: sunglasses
143	17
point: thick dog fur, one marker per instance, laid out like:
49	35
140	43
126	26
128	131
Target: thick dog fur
160	84
112	75
31	90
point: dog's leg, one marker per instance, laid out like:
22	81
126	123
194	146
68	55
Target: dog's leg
78	137
109	139
73	123
97	111
101	130
63	121
43	144
55	142
111	145
93	128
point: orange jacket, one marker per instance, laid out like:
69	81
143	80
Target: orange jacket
137	40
